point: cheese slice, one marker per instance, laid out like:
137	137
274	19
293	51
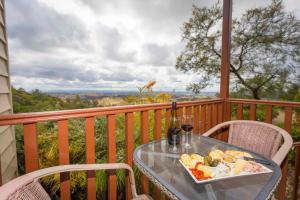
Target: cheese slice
216	154
197	158
238	153
239	166
207	171
186	159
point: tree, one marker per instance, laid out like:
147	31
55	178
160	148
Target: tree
265	48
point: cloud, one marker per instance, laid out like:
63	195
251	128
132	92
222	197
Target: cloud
71	72
37	27
158	15
158	55
112	43
101	44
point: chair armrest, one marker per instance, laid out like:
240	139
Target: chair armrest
12	186
77	167
284	149
213	130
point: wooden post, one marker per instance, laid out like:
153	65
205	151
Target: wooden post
226	40
296	174
284	166
129	135
112	156
203	127
225	57
144	140
63	146
157	136
90	156
0	172
31	148
268	115
196	120
240	111
252	112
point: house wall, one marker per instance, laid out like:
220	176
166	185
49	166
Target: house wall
8	157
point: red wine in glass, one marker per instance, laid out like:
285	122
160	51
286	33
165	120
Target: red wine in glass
187	127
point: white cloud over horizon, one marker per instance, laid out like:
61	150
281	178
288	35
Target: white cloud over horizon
97	44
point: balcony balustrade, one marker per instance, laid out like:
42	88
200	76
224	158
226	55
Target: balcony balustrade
207	113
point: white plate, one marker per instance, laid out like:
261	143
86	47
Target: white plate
267	170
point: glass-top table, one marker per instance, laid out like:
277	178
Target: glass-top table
164	170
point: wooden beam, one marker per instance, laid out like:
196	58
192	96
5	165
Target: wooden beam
144	140
0	172
129	138
90	156
31	148
226	40
63	154
112	156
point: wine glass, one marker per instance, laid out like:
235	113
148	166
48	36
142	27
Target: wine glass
187	127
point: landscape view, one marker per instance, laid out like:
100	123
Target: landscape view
77	54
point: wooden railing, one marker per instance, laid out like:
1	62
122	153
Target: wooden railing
297	168
207	113
247	109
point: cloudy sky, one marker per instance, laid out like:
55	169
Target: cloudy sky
99	44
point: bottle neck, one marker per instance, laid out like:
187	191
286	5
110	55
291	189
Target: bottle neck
173	122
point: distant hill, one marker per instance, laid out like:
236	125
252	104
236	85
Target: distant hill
123	93
36	101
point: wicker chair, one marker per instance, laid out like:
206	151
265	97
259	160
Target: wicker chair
265	139
27	187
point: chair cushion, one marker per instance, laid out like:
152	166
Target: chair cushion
258	138
32	191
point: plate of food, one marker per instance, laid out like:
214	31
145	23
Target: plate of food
218	165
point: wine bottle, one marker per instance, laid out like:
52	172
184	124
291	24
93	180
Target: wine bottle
174	128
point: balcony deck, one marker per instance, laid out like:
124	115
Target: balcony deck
207	113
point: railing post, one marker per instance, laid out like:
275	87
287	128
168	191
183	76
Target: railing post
90	155
30	148
268	114
112	156
203	127
157	124
0	172
157	136
240	111
284	166
129	135
209	116
220	112
167	120
144	140
252	112
227	111
196	119
63	146
214	114
180	112
189	110
296	175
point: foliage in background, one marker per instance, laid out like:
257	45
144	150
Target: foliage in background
146	95
265	49
37	101
48	140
